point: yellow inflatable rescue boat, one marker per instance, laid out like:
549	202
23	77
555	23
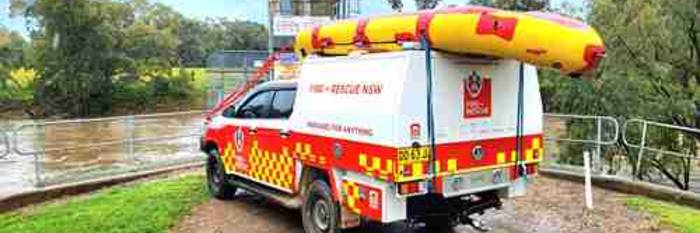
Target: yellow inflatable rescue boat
539	38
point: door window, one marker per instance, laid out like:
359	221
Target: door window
257	107
282	104
230	112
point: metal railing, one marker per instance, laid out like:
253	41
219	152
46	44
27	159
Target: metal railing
122	144
610	142
4	144
128	122
599	121
599	140
72	150
643	146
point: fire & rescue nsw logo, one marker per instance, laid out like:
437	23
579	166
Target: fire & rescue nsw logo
477	96
239	139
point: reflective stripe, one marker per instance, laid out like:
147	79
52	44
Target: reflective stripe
452	165
501	157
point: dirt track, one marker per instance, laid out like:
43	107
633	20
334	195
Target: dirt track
550	206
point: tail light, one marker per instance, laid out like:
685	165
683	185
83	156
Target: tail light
531	169
412	188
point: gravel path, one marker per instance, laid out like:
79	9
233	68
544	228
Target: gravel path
550	206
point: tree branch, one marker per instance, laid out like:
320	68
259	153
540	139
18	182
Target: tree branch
657	164
640	65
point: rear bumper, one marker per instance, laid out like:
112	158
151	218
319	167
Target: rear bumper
425	207
380	201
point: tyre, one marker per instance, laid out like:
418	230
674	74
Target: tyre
216	178
319	213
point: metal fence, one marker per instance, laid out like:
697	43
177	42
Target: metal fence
4	144
561	141
636	149
226	70
659	152
73	150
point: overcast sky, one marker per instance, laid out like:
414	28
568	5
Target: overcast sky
254	10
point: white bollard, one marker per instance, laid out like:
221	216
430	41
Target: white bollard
587	171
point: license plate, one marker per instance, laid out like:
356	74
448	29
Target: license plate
475	181
480	179
413	155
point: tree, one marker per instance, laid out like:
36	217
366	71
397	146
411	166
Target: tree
76	58
488	3
86	49
397	5
198	39
656	44
151	38
193	48
11	50
651	71
519	5
426	4
12	57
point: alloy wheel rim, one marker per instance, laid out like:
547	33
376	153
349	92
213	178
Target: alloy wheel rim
321	215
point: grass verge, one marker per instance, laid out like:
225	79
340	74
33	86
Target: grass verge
684	219
148	207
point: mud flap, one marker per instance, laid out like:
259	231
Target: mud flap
348	219
517	187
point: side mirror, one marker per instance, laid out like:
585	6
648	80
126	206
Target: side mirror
229	112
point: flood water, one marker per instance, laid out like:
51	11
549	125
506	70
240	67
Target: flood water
68	151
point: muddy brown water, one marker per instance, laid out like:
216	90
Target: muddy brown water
76	150
70	154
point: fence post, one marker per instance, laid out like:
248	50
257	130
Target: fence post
221	85
38	169
597	163
130	137
588	189
39	158
5	141
641	149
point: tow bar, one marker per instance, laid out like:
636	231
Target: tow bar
477	205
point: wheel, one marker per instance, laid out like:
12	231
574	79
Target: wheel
319	213
216	178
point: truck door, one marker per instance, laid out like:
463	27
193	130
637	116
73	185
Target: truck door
245	129
268	156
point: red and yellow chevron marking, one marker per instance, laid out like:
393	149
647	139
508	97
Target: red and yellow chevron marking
351	193
362	199
450	169
456	158
229	158
535	152
304	152
272	168
411	171
376	166
377	161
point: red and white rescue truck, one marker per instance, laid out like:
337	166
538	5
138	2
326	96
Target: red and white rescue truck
414	136
380	129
